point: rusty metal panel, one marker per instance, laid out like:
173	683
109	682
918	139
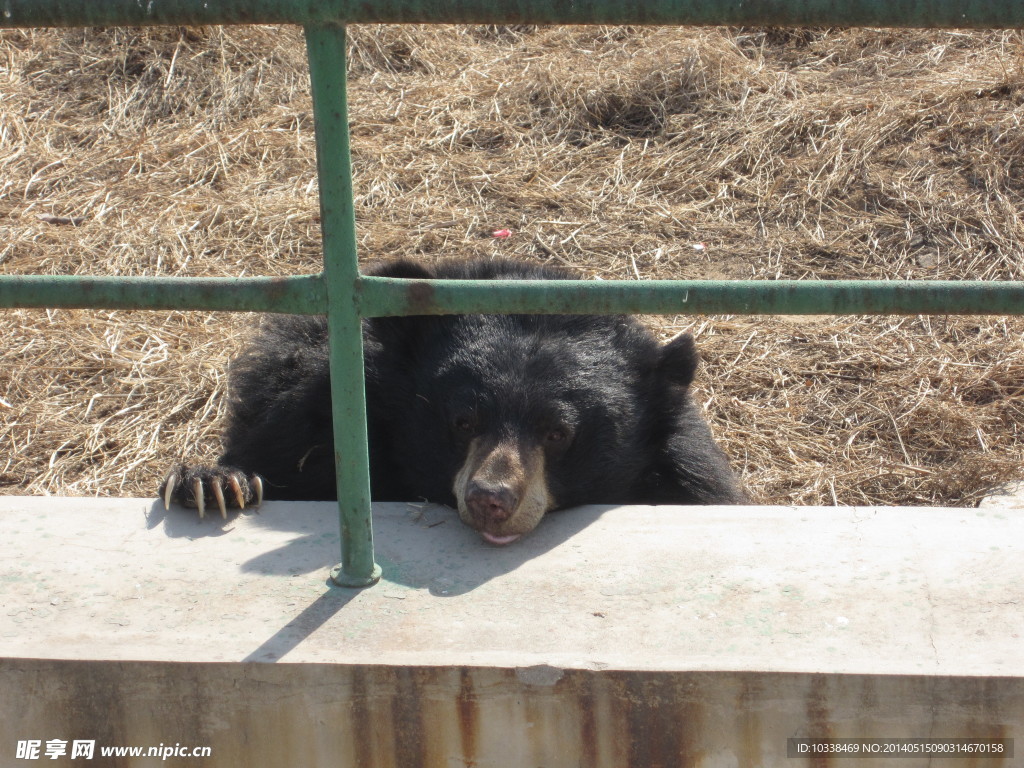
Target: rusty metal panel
284	715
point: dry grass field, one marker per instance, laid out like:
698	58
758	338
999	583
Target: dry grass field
634	153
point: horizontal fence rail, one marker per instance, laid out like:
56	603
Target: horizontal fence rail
301	294
393	296
975	14
346	297
390	296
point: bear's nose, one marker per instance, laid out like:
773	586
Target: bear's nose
494	504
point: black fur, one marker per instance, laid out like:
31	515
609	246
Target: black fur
607	404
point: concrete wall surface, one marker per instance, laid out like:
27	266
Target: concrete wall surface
626	636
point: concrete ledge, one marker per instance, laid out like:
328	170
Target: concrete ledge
895	591
610	636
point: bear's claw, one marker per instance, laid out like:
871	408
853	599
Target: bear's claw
198	486
167	489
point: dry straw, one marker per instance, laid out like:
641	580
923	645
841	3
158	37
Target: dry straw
624	152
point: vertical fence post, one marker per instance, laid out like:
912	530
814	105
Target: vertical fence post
325	46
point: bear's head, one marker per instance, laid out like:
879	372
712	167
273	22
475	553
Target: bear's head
510	417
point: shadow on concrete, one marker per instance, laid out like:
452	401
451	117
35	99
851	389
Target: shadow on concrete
418	546
181	523
451	559
313	616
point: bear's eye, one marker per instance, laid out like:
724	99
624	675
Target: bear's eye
557	435
464	425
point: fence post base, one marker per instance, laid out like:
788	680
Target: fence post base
341	579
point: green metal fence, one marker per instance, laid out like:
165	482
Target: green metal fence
346	296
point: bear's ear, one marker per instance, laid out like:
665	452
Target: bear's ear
679	360
401	268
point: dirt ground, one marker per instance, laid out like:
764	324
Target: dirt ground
635	153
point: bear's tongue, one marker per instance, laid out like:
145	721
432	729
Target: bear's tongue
499	541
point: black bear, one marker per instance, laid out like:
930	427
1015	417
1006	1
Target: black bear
505	417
